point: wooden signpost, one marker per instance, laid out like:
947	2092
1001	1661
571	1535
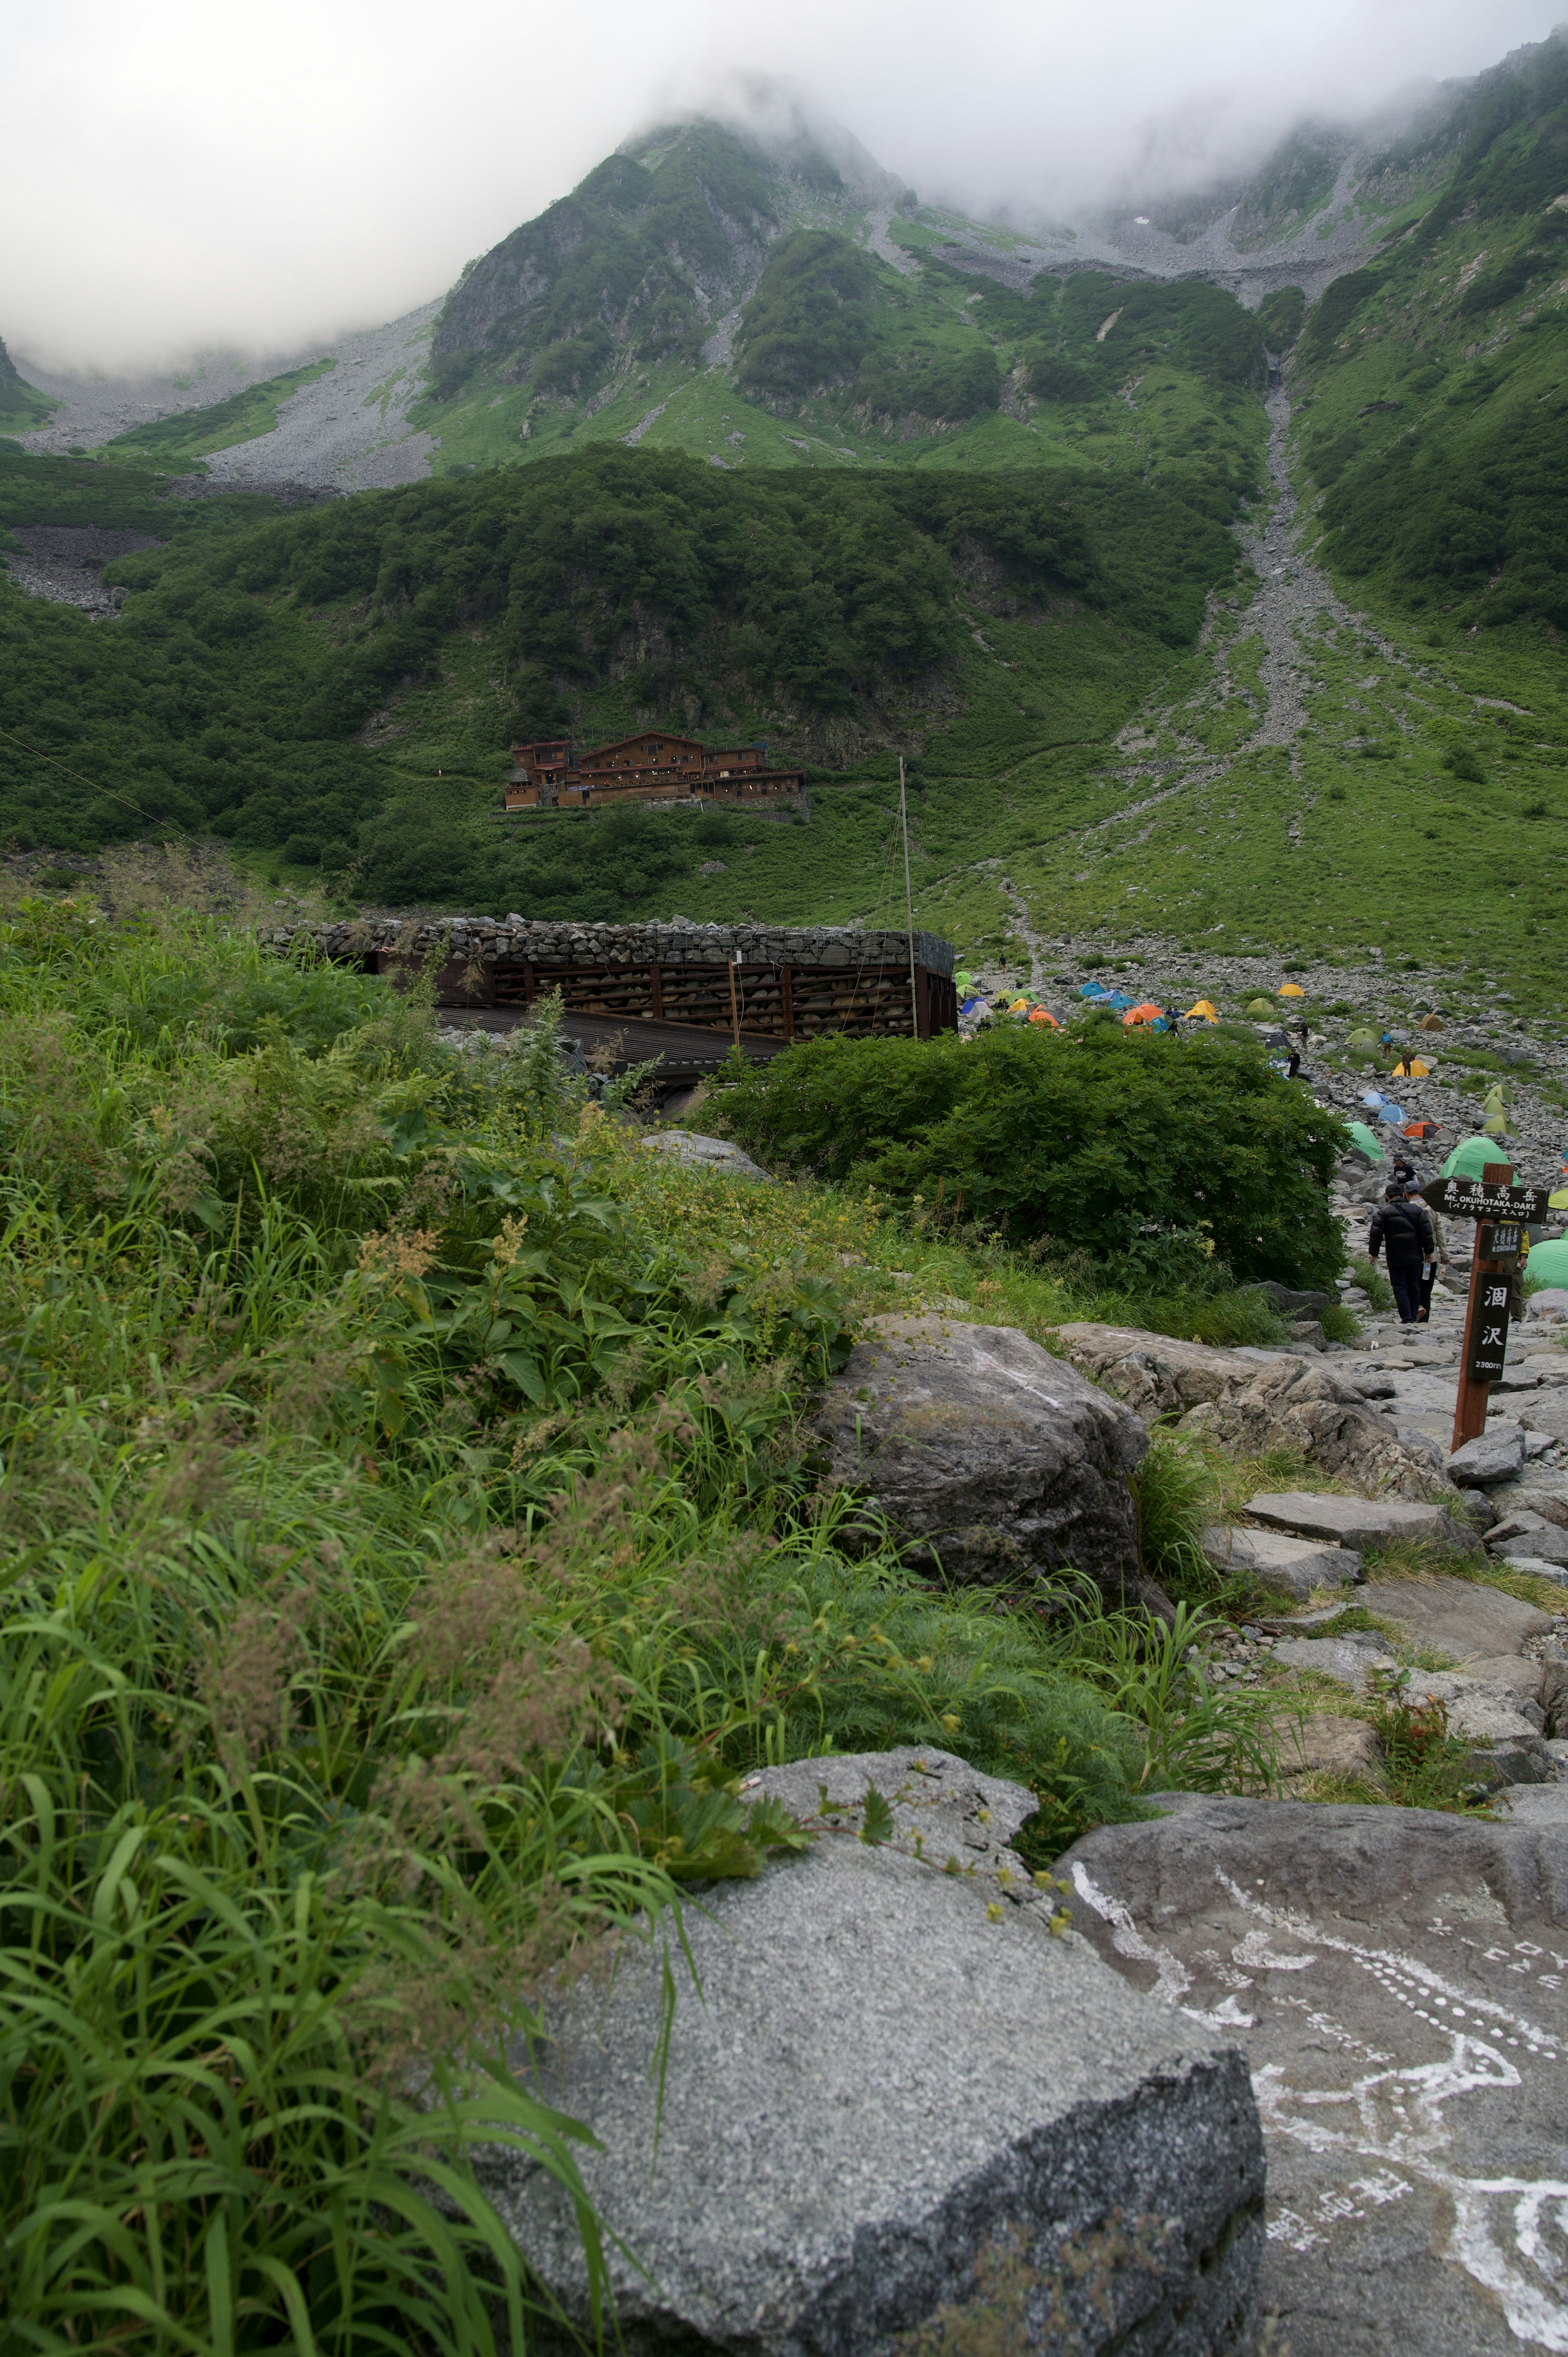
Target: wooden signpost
1502	1210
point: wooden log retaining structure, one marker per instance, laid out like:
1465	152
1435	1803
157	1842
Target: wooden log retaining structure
791	984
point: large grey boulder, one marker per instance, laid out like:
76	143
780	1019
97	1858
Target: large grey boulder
1256	1402
994	1462
701	1153
891	2078
1396	1978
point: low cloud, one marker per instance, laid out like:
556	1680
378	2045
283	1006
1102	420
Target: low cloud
177	179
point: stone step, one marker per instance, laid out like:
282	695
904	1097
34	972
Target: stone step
1297	1566
1355	1523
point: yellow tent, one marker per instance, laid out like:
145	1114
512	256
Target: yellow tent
1205	1008
1558	1203
1292	990
1411	1069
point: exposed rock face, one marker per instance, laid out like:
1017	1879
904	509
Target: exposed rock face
1460	1617
1396	1979
1296	1565
1322	1745
889	2073
1252	1402
704	1153
988	1456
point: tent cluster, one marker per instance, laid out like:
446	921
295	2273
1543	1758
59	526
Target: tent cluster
977	1004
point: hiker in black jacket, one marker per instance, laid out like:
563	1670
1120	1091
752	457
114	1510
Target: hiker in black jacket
1415	1204
1396	1230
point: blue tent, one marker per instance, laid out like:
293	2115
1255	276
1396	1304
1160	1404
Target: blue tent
1092	990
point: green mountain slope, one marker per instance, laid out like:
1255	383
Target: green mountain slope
22	407
1041	538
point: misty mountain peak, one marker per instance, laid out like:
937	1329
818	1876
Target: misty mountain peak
653	245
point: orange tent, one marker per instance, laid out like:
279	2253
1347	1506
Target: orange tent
1044	1015
1147	1013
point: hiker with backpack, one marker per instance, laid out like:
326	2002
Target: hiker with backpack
1398	1232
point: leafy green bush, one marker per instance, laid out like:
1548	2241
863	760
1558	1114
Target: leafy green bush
813	318
1086	1138
1280	316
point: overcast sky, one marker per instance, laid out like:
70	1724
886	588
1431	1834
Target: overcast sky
176	175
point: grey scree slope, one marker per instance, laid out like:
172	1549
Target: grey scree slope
877	2083
1397	1978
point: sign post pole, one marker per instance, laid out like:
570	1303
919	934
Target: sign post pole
1486	1317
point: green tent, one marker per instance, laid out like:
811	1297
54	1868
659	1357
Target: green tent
1547	1261
1258	1007
1468	1156
1366	1139
1363	1043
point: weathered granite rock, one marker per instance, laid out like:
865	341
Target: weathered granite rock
1253	1401
1546	1543
1514	1526
944	1812
1545	1411
1462	1617
888	2075
1496	1456
1356	1522
1397	1980
989	1457
1323	1745
1297	1566
704	1153
1536	1569
1537	1493
1536	1804
1334	1657
1153	1373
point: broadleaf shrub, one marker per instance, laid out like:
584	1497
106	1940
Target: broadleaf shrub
1093	1139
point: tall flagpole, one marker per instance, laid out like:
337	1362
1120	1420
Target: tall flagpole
908	907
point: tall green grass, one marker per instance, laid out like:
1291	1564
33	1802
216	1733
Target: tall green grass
403	1549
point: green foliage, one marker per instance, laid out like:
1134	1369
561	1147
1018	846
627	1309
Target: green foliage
402	1554
1089	1138
1196	326
1427	1767
1333	312
1280	316
813	318
231	688
22	407
1050	377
